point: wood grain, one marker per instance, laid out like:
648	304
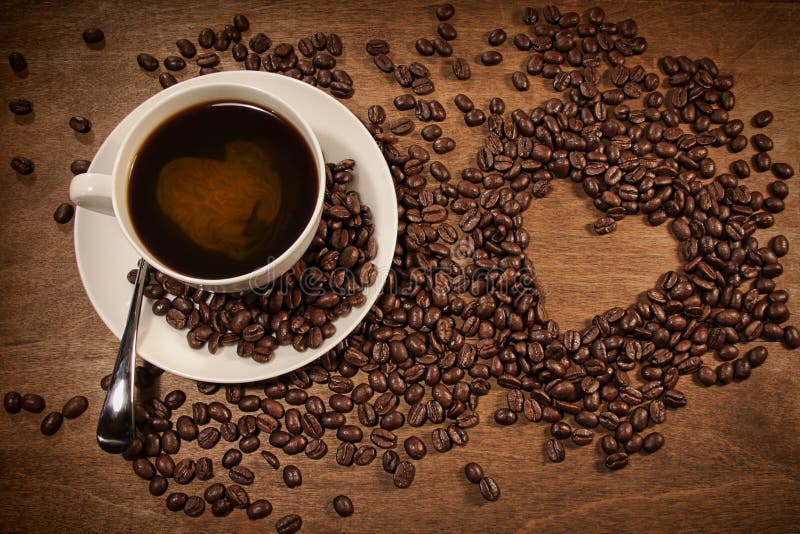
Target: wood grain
731	462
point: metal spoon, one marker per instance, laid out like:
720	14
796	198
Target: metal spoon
116	428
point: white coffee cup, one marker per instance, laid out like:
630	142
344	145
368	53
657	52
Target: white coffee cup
109	193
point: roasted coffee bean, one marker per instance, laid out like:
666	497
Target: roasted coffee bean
463	103
75	407
489	489
292	476
784	171
20	106
21	165
221	40
204	468
422	86
761	142
259	509
653	442
176	501
349	433
147	62
520	81
497	37
17	61
51	423
271	459
377	46
762	118
762	162
31	402
404	102
12	402
616	461
186	48
415	448
289	524
231	458
345	453
174	63
237	496
158	486
79	166
445	12
208	438
554	450
184	471
144	468
401	126
424	47
404	475
219	412
241	475
166	80
461	69
343	505
504	416
444	145
376	114
80	124
491	58
474	117
473	472
214	493
194	506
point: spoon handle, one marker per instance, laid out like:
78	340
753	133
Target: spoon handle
116	428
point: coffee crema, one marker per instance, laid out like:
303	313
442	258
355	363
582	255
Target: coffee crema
221	189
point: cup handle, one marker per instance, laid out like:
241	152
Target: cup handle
93	192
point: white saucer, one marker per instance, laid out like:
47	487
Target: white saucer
105	256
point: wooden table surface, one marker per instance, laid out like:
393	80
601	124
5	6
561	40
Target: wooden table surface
731	459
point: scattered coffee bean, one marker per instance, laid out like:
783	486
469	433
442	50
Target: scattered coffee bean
17	61
174	63
80	124
491	58
784	171
147	62
20	106
259	509
31	402
93	35
63	213
194	506
289	524
461	69
473	472
292	476
75	407
21	165
51	423
445	12
489	489
404	474
343	505
762	118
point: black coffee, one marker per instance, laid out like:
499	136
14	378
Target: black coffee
222	188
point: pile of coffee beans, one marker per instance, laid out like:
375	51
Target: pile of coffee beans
298	309
316	63
13	402
462	312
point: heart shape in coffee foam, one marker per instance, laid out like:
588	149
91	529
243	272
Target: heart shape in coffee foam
225	206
